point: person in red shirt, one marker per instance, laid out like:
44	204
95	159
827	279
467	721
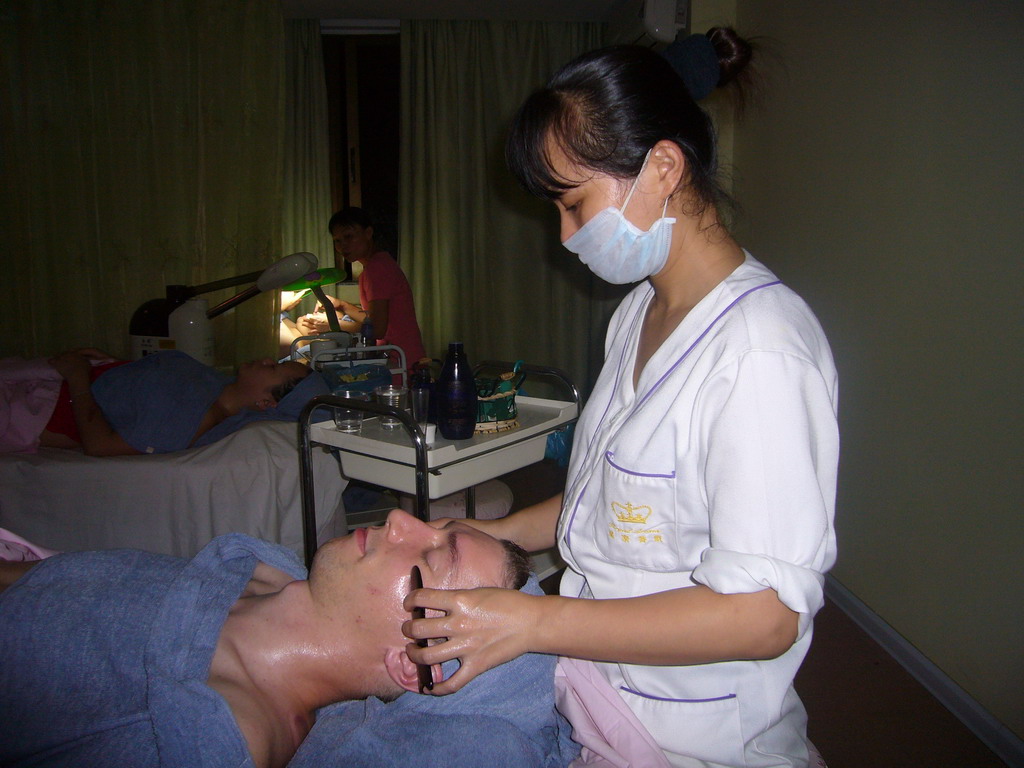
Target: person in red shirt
385	297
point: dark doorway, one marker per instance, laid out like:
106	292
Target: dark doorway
363	80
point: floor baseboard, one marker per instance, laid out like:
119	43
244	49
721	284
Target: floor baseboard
996	736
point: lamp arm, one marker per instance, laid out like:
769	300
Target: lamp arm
228	282
283	271
234	301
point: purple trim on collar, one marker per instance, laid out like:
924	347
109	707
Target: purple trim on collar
700	338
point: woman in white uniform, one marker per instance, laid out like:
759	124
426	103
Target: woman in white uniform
697	520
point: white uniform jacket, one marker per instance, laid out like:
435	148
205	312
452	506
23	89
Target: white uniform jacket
720	469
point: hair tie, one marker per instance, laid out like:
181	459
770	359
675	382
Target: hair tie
694	59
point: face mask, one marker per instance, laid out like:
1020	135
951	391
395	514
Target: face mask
615	250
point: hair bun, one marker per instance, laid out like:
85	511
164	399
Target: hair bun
732	50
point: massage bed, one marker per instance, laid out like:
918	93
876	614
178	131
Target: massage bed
172	503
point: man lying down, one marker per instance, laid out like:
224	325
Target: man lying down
124	658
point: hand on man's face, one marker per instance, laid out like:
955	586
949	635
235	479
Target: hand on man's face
367	572
363	580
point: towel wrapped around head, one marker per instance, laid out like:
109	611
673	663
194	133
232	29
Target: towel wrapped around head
506	717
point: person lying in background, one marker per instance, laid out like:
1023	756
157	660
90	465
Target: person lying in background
167	401
123	657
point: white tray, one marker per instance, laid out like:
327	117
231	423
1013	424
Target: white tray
388	458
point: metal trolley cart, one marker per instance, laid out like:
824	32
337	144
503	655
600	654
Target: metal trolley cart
402	460
346	354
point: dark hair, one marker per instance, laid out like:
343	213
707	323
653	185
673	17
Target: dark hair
606	109
734	53
517	564
281	390
348	217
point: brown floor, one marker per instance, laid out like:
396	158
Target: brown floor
864	709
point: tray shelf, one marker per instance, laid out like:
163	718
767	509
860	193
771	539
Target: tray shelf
388	458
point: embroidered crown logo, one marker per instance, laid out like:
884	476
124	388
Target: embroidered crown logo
627	513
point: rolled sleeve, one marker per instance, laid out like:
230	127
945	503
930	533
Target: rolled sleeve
728	573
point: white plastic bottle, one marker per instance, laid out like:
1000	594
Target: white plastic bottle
190	328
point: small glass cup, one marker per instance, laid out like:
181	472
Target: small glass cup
348	419
396	397
420	397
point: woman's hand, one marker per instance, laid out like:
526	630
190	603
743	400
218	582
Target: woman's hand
348	308
484	628
10	572
289	299
319	309
73	364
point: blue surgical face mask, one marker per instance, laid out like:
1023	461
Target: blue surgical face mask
616	250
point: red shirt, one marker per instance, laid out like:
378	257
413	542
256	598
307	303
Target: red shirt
382	278
62	422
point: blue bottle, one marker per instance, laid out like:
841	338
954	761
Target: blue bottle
455	393
366	334
422	379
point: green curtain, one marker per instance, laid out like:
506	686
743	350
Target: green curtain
140	146
483	257
306	174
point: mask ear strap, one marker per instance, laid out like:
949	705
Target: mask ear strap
637	180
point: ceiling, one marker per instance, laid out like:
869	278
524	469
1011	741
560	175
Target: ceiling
517	10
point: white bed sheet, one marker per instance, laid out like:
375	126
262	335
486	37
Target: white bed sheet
170	503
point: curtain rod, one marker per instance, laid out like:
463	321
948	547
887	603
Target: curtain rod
359	26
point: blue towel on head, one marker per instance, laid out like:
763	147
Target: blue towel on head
506	717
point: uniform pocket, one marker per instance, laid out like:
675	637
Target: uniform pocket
707	729
635	524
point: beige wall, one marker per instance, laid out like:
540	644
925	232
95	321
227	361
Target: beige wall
883	182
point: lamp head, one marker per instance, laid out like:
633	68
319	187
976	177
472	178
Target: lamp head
287	270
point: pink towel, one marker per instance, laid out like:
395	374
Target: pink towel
15	549
28	394
609	732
